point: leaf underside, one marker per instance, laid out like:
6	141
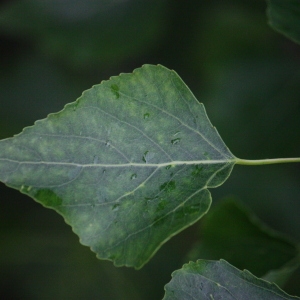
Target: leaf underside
206	279
127	165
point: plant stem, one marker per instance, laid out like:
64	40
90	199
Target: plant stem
257	162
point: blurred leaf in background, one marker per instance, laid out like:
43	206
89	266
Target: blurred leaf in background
246	74
231	232
284	17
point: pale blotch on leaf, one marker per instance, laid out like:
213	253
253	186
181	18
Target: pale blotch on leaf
73	173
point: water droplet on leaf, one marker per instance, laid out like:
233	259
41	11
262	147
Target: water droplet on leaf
96	159
144	156
146	115
175	141
147	156
116	206
133	176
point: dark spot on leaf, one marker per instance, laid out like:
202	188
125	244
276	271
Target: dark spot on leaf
161	205
48	198
75	106
112	257
197	171
115	89
146	115
168	186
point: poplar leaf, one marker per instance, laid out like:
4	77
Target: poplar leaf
127	165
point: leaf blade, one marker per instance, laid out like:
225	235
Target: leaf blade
206	279
127	165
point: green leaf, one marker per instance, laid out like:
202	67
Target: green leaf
284	17
230	231
128	165
206	279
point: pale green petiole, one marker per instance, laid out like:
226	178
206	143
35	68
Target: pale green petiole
257	162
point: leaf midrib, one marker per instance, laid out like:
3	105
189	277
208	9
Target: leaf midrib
131	164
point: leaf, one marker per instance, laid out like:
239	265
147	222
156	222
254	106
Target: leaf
232	232
284	17
127	165
206	279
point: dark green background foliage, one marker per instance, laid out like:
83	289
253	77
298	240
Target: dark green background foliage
245	73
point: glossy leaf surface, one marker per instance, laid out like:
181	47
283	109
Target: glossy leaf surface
127	165
284	16
206	279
